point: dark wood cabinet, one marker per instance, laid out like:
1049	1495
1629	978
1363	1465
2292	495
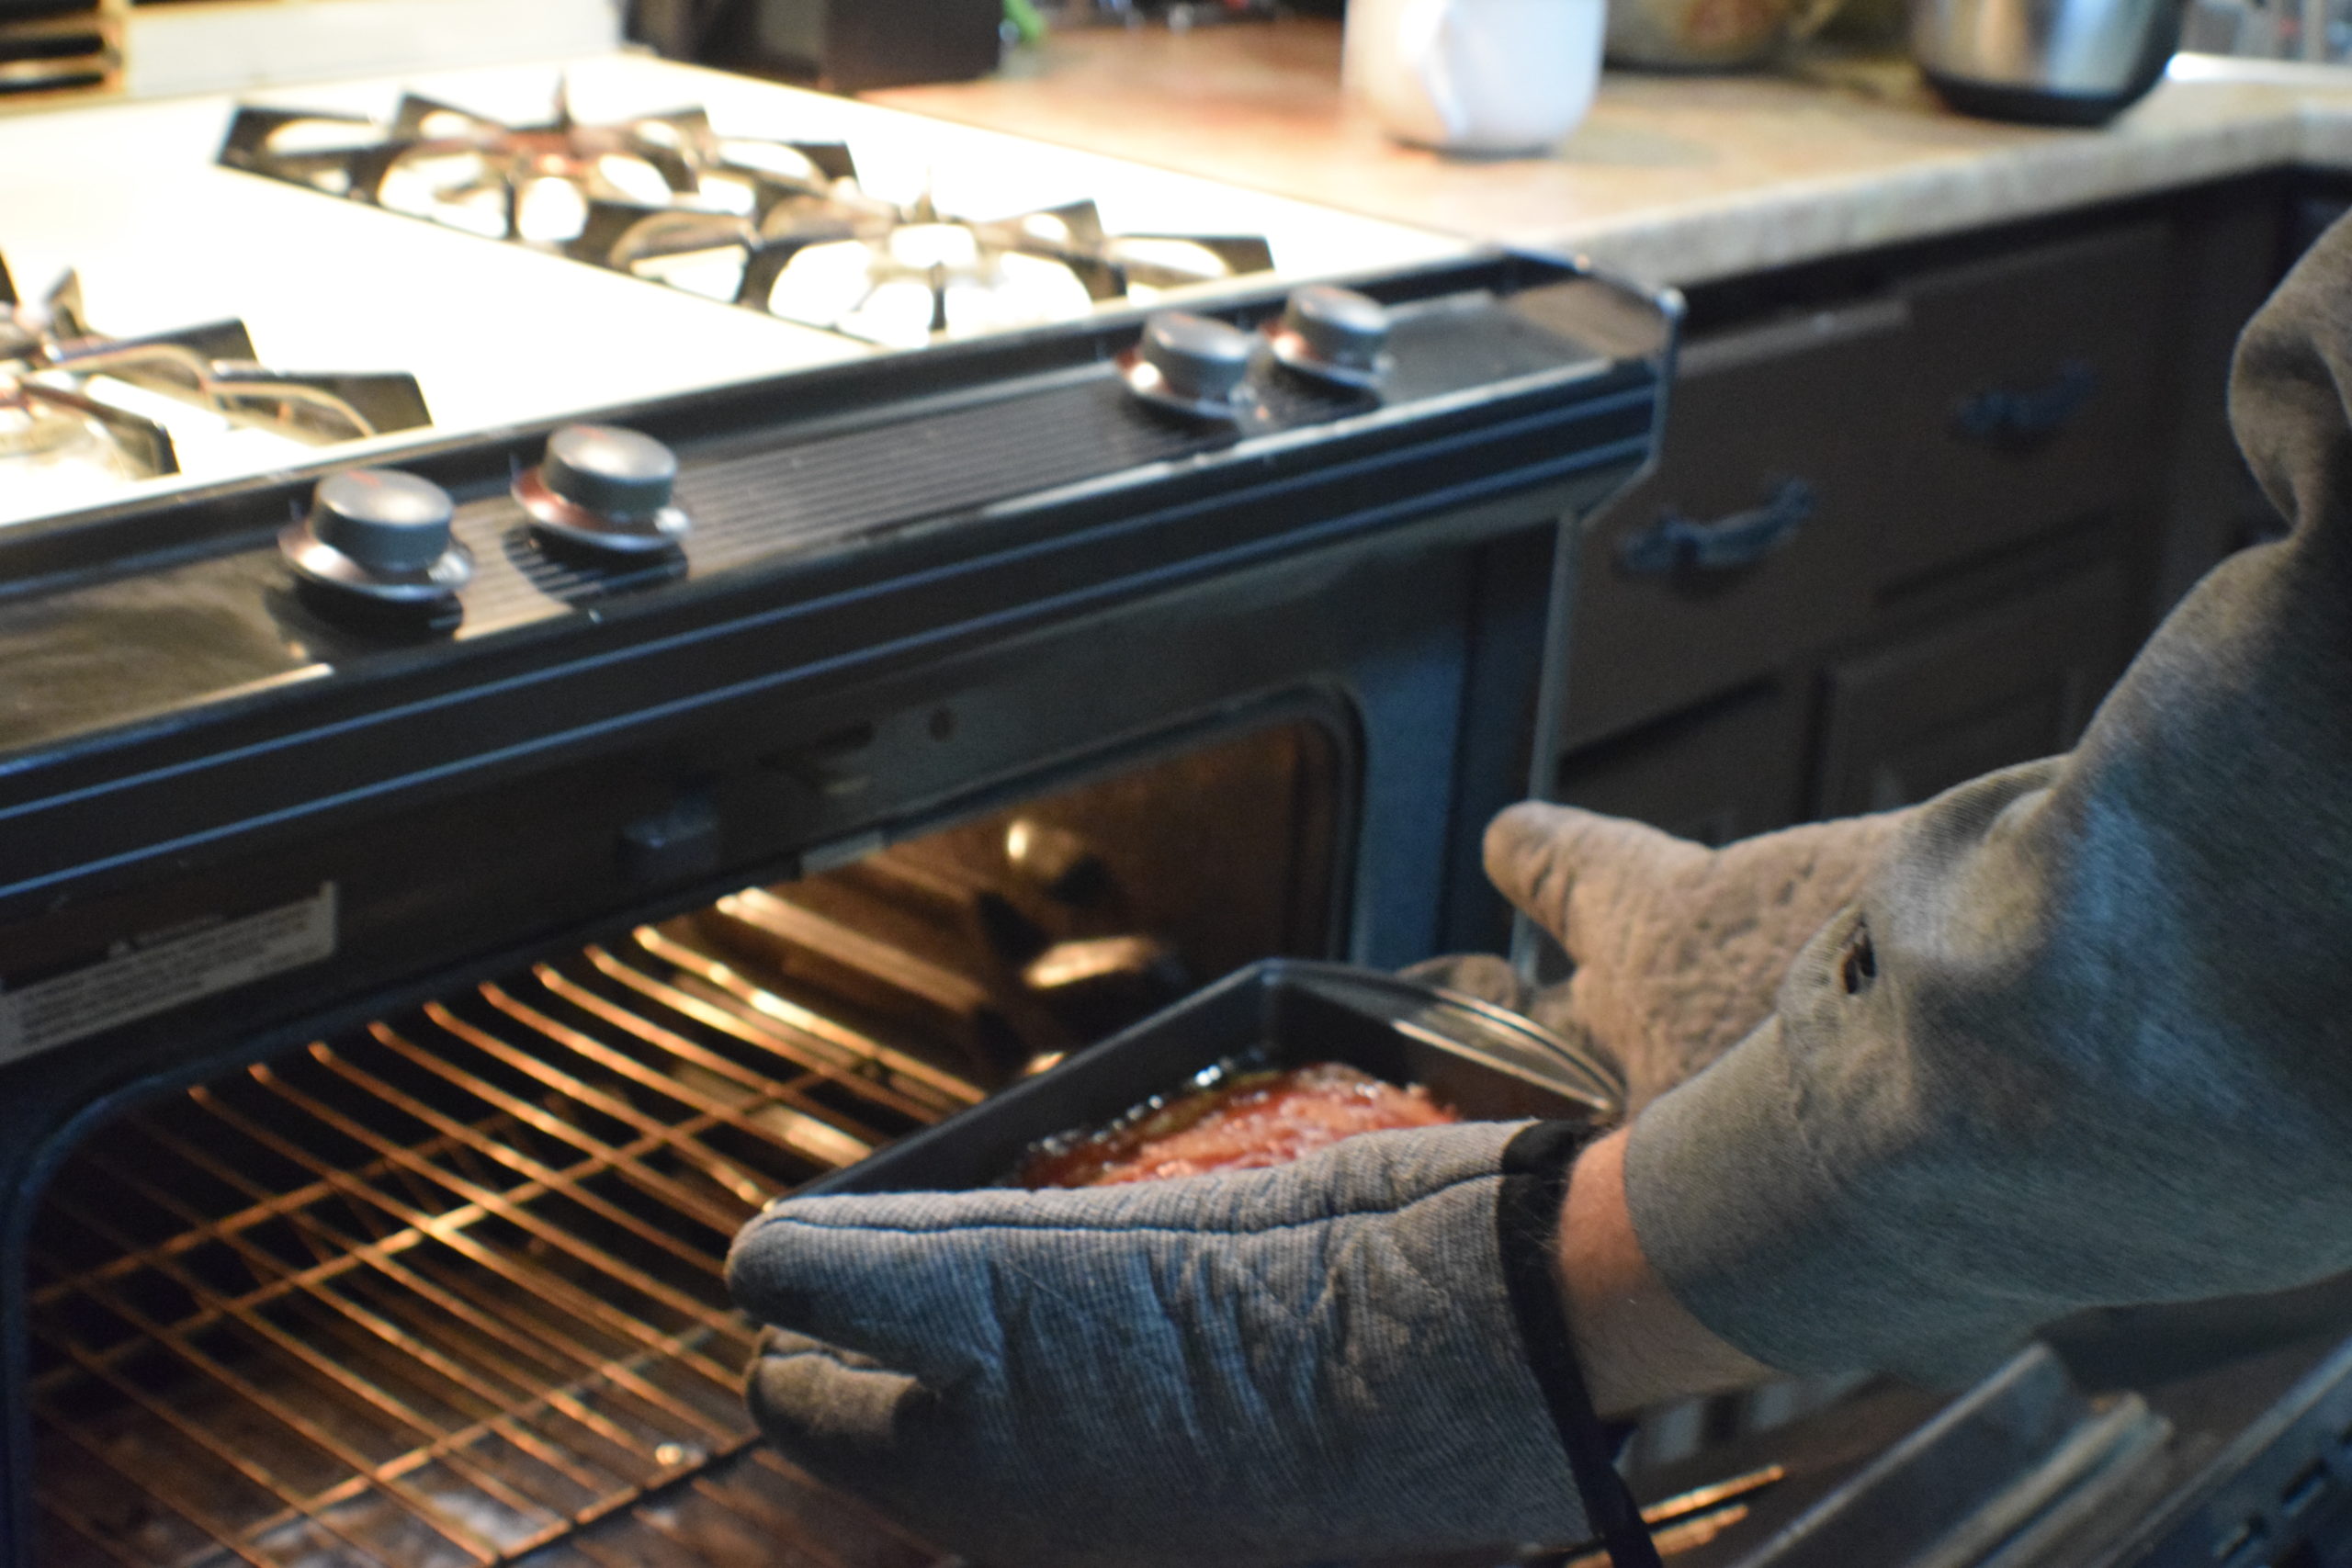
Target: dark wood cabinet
1757	528
1726	770
2031	396
1912	514
2010	682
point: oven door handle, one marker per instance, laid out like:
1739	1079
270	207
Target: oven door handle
1676	543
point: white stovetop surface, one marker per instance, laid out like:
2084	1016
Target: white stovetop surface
497	335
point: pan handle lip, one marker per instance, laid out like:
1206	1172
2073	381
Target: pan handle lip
1495	1036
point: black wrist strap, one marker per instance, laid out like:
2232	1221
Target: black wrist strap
1527	1223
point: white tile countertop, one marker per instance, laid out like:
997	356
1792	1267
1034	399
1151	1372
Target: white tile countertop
1673	178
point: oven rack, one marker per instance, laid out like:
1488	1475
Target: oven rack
447	1290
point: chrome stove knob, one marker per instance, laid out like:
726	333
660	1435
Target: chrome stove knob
380	533
606	488
386	521
613	472
1333	334
1192	362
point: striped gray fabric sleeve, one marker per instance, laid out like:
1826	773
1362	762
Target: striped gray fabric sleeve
2085	1036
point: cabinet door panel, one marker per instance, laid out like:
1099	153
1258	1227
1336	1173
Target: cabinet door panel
2031	399
1728	769
1751	540
2006	684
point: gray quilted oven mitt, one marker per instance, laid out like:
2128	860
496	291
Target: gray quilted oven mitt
1680	950
1362	1354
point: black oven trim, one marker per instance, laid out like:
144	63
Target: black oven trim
668	759
242	871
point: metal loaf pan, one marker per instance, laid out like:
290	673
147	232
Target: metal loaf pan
1482	1061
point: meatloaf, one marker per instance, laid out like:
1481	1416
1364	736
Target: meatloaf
1245	1120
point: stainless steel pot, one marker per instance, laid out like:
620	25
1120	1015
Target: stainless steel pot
2053	61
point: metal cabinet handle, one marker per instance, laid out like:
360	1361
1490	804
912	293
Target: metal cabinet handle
2017	418
1674	543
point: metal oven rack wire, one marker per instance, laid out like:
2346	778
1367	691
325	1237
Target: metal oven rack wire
447	1290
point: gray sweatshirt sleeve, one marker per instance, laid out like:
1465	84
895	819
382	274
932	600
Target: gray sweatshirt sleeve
2085	1036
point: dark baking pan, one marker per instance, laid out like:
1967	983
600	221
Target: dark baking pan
1485	1063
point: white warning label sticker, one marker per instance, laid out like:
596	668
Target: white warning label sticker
141	976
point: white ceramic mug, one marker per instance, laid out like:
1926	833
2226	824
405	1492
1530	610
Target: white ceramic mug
1483	76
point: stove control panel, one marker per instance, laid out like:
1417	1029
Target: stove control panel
1334	334
606	490
378	535
1209	369
880	508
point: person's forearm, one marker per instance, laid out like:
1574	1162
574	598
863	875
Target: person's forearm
1637	1343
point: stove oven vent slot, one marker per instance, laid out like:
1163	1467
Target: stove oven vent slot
51	48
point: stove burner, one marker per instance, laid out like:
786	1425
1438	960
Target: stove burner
926	274
70	394
32	428
779	226
539	184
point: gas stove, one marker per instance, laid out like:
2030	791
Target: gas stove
609	449
524	243
1085	483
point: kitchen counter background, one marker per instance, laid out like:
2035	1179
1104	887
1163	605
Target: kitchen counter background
1673	178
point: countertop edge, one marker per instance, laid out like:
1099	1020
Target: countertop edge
1751	174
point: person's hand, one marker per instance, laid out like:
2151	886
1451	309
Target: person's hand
1320	1361
1680	950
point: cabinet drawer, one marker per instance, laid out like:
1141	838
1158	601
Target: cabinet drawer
1751	540
2004	684
2031	398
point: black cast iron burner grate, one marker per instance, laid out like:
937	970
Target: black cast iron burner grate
447	1290
780	226
55	369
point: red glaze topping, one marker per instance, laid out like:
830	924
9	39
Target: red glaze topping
1255	1120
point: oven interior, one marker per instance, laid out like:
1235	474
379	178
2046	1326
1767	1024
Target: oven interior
446	1289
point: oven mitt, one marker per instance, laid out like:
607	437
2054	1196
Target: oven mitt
1324	1360
1678	949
